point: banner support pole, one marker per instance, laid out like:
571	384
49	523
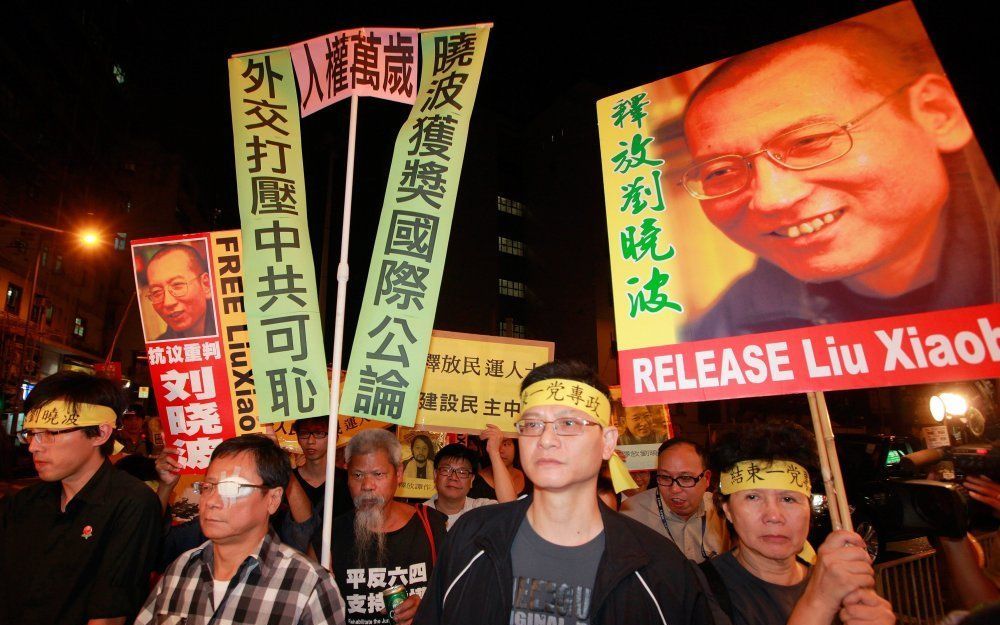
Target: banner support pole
833	481
343	272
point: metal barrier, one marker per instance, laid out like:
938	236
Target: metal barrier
912	585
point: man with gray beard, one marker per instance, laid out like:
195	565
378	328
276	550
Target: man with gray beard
382	543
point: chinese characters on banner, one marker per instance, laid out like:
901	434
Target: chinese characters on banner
419	452
397	314
378	62
190	302
775	227
282	306
473	380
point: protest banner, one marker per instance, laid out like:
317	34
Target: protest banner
282	305
778	226
641	430
390	346
419	449
195	369
379	62
472	380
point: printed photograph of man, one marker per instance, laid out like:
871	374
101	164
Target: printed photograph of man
828	156
421	462
173	279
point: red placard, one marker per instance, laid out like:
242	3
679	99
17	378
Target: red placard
958	344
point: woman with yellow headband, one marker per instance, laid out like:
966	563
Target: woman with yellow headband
558	555
772	575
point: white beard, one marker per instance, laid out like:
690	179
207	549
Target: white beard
369	519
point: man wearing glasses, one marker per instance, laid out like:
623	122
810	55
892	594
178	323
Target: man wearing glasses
837	158
243	574
680	507
78	547
559	556
179	288
457	466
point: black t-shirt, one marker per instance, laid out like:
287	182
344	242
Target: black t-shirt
408	562
481	489
341	495
91	561
754	601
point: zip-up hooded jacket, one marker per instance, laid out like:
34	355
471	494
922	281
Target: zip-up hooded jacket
642	578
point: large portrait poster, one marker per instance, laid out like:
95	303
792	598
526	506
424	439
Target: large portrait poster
815	214
190	293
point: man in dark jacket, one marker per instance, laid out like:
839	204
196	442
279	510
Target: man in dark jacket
560	556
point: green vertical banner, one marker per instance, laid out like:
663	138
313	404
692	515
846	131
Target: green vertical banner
389	355
282	306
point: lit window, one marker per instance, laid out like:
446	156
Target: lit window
511	246
13	298
511	288
80	327
120	240
516	330
511	207
119	74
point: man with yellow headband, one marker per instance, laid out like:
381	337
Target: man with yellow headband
772	575
535	560
78	547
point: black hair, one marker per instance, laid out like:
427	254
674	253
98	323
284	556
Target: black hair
77	388
427	441
324	421
272	463
194	257
674	442
568	369
139	467
774	440
457	451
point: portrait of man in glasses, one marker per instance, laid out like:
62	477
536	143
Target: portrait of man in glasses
179	289
842	160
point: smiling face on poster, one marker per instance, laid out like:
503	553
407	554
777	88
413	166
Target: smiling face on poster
173	279
827	180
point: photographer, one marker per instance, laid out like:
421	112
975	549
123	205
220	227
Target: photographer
970	583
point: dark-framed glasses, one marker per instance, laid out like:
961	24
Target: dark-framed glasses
684	481
45	437
805	147
176	288
316	435
565	426
448	471
226	489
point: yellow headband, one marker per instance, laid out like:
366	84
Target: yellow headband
582	396
777	475
60	414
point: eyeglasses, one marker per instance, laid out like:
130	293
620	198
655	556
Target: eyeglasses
315	435
227	490
447	471
45	437
359	476
684	481
803	148
177	288
567	426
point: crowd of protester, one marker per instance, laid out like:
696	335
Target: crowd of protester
522	534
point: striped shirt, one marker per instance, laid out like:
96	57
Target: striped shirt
274	585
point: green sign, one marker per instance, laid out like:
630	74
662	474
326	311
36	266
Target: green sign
397	315
286	338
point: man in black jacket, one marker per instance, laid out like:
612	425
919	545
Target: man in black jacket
560	556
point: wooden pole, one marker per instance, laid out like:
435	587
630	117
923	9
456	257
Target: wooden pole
824	462
834	463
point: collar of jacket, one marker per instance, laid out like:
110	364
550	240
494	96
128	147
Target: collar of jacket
623	551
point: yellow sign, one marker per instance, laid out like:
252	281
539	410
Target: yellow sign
472	380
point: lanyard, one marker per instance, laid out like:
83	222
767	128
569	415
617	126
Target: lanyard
663	519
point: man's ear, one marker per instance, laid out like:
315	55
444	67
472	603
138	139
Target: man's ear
274	499
107	431
610	440
206	286
935	108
